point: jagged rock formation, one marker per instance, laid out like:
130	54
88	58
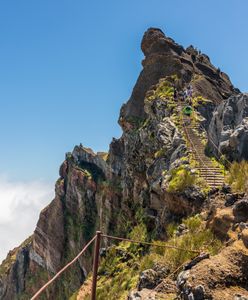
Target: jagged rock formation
104	191
164	57
228	129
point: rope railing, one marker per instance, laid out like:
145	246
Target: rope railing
197	252
97	238
150	244
62	270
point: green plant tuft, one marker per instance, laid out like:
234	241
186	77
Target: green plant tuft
181	178
238	175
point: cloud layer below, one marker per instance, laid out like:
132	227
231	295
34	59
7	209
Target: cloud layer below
20	205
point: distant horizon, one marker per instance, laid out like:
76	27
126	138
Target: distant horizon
66	69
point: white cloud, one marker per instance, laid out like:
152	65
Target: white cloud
20	205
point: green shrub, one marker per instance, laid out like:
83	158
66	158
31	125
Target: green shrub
181	178
199	100
197	238
164	89
170	229
119	271
160	153
238	175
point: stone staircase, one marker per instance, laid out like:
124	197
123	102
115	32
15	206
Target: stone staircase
213	175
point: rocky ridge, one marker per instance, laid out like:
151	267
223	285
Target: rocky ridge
140	172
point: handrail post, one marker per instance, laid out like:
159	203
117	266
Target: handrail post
95	264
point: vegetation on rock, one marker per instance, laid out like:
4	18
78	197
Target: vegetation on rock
120	269
181	178
238	176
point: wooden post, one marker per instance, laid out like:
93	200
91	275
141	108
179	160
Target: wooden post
95	264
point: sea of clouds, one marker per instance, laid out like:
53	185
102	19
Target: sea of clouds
20	205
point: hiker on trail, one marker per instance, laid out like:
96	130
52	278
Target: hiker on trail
175	94
180	95
189	94
190	91
185	95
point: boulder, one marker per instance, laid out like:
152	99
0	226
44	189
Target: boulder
244	237
221	222
240	297
144	294
231	199
196	260
148	279
240	210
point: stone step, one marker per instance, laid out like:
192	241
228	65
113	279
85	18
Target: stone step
214	182
203	158
206	165
209	176
204	162
212	168
217	176
209	171
212	174
214	186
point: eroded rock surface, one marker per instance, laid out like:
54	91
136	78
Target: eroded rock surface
228	129
221	276
164	57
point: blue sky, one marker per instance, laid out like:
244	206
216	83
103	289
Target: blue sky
67	66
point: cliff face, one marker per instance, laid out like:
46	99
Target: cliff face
85	201
105	190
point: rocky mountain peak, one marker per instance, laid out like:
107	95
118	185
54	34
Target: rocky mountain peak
154	42
164	57
151	36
